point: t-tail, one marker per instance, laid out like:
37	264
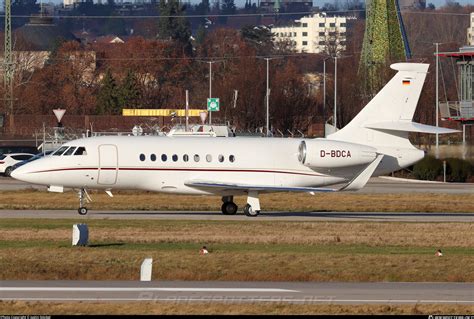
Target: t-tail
384	123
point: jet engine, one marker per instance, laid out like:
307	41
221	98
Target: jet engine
319	153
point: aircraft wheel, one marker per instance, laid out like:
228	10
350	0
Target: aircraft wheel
82	210
229	208
249	211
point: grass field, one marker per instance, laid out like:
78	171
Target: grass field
417	202
239	251
249	251
34	308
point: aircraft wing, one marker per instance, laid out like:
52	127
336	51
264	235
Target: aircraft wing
259	188
356	183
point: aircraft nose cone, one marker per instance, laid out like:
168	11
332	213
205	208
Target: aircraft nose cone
17	173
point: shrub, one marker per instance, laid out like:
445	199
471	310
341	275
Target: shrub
457	170
428	168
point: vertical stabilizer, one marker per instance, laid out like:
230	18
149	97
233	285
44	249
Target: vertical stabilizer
395	103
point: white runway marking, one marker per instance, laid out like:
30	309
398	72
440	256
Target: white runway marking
236	299
120	289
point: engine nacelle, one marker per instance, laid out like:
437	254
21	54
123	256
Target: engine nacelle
321	153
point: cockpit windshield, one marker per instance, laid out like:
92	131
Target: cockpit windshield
80	151
60	151
70	150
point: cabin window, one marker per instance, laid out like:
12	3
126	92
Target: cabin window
209	158
232	158
80	151
60	151
175	158
196	157
185	157
221	158
142	157
70	151
164	157
153	157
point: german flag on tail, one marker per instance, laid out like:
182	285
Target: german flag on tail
406	82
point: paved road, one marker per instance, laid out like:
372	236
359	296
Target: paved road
375	185
399	186
267	216
186	291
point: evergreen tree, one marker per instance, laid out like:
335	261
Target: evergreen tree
203	8
228	7
128	91
173	25
53	56
107	100
114	26
201	35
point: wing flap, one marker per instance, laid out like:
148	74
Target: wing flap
259	188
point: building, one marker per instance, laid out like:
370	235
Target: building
286	5
470	31
315	34
412	4
34	42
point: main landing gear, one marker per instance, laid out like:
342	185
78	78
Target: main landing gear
252	209
228	206
83	196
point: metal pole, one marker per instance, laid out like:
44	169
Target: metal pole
210	90
187	111
437	100
324	88
335	93
464	150
444	171
268	98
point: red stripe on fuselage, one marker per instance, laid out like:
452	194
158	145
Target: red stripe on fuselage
179	169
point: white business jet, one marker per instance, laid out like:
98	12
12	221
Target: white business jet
375	142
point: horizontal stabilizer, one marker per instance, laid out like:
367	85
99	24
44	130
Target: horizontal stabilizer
408	126
260	188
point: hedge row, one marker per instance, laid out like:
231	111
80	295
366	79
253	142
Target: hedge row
431	168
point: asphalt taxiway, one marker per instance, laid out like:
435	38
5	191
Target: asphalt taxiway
267	216
382	185
221	291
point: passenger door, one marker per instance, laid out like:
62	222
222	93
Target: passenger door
108	164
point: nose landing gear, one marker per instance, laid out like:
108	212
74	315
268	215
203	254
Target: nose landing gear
83	196
252	209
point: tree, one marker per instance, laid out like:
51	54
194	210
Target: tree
228	7
128	92
173	25
107	99
261	38
203	7
201	35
